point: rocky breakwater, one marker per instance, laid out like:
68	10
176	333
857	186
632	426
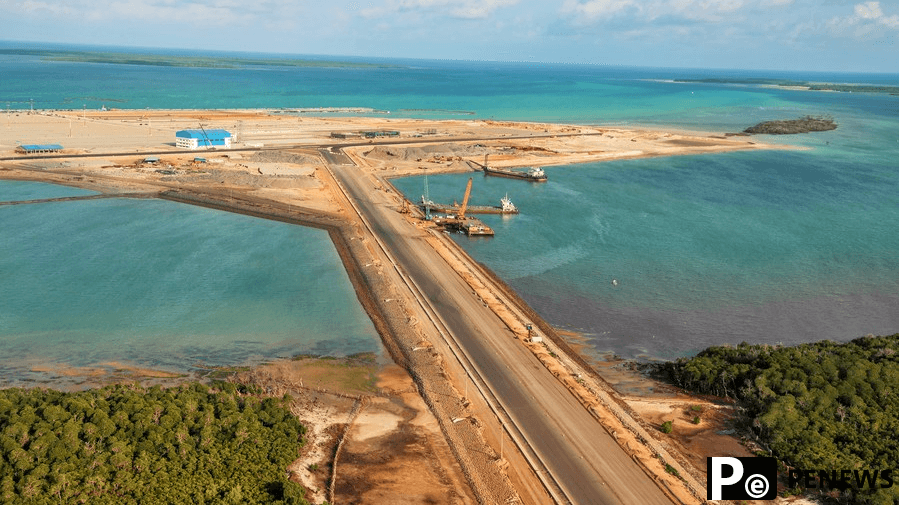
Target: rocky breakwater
790	126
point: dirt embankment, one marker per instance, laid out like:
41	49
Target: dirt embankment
440	152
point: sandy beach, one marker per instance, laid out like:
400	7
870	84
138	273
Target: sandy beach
280	168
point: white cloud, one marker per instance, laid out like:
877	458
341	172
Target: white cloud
870	10
713	11
598	9
35	7
464	9
218	12
702	10
867	20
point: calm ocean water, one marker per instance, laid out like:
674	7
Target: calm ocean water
161	284
784	246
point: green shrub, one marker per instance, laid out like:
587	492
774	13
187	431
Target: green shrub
817	405
127	444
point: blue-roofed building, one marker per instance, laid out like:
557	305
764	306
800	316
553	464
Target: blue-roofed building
38	148
194	139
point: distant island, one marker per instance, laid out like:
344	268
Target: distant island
791	126
171	60
804	85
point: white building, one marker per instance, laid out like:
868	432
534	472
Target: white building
194	139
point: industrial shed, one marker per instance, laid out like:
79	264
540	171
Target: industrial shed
38	148
195	139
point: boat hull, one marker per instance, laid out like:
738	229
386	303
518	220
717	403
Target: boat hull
471	209
513	174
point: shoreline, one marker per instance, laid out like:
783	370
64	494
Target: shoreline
320	203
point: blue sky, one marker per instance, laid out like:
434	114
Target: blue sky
829	35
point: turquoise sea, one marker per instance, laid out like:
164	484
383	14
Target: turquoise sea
164	285
778	246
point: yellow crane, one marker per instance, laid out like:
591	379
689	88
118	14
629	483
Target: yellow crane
465	199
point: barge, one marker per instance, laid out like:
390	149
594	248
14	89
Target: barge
505	207
533	174
458	221
471	226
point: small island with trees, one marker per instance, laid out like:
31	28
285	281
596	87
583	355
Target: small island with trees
792	126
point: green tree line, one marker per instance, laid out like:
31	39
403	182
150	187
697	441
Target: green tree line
128	444
822	405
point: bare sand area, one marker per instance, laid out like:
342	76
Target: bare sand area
139	131
368	426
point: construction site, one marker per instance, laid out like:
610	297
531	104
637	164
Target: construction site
458	221
501	406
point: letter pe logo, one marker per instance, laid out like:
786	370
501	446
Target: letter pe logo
741	479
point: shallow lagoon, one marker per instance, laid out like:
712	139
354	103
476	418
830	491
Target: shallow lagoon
165	285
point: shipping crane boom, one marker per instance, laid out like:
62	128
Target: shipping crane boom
465	199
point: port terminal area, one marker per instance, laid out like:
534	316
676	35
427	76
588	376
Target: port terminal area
291	168
405	146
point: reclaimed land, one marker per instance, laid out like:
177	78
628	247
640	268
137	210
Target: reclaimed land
818	406
305	183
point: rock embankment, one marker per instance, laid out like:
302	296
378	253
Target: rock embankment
790	126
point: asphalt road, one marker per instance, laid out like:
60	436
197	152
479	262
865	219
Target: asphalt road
587	463
336	147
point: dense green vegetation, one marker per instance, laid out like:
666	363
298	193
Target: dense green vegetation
791	126
823	405
127	444
812	86
182	61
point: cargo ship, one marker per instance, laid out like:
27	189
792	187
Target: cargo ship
533	174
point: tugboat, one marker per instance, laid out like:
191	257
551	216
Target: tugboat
506	205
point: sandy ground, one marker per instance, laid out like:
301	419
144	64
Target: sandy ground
142	131
380	429
370	437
